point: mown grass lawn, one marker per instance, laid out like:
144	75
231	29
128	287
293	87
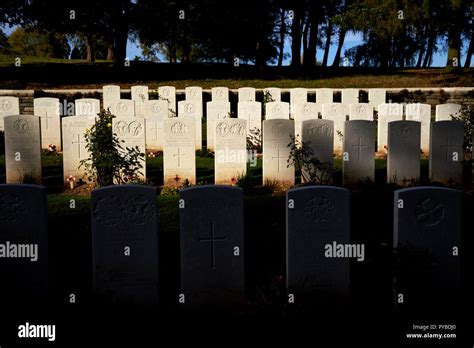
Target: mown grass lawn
52	171
76	73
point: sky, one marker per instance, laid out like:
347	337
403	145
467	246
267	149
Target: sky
351	40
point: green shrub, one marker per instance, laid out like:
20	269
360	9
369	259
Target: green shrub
108	160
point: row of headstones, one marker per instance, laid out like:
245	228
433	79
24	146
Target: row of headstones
23	150
319	247
155	111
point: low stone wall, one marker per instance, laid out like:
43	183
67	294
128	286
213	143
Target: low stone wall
432	96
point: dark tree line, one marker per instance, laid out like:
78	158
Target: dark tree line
396	33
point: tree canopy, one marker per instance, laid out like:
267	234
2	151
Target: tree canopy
396	33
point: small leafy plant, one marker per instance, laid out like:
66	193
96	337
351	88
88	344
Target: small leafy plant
466	116
108	160
313	171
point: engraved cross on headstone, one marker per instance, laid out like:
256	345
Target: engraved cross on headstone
278	158
446	149
213	239
45	118
179	155
79	142
359	147
155	128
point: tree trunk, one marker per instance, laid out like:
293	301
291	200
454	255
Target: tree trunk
121	28
186	58
110	52
470	52
281	47
296	39
429	49
454	35
90	48
310	58
328	43
120	52
260	61
337	57
420	57
306	28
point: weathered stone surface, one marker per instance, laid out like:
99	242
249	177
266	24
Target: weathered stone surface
403	161
22	148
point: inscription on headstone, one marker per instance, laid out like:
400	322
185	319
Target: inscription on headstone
179	154
446	153
125	244
358	159
87	107
427	239
403	160
276	137
131	131
335	113
216	110
191	109
277	110
24	236
48	110
8	106
168	93
212	245
318	135
22	148
386	113
74	146
317	216
230	159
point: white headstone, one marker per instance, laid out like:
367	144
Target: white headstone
87	107
230	161
194	94
376	97
304	112
139	95
110	94
421	113
246	94
156	111
361	111
251	112
273	93
22	147
216	110
191	109
275	110
324	96
168	93
297	96
444	111
48	110
8	106
386	113
335	113
349	96
276	137
74	146
220	94
318	135
179	154
122	108
132	131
